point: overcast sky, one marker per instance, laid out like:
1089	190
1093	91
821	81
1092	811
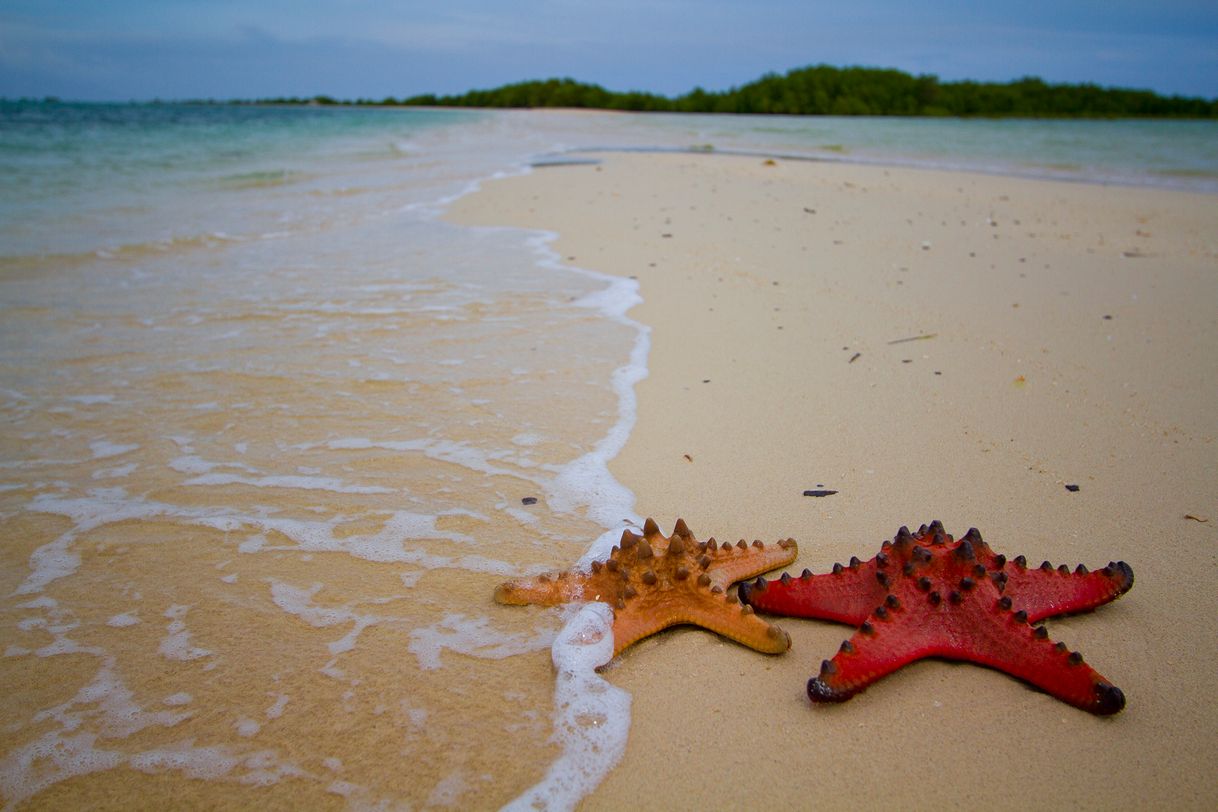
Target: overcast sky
172	49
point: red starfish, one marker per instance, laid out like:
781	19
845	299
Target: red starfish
929	595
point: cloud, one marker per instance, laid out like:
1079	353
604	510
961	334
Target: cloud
224	48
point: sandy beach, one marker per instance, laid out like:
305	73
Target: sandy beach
930	345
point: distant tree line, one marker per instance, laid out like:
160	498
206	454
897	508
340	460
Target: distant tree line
826	90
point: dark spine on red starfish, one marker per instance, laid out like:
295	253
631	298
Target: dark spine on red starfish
847	595
1049	592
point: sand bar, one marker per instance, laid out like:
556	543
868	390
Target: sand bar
1062	334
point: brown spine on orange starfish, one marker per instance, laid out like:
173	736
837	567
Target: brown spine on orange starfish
653	582
929	595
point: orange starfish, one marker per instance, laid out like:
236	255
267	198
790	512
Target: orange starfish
653	582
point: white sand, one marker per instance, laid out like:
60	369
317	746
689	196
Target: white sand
1072	340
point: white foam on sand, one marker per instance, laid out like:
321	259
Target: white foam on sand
591	716
176	644
104	448
56	559
458	453
299	602
472	636
276	710
587	480
63	750
286	481
247	727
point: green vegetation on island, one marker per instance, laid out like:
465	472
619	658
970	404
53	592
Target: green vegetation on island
826	90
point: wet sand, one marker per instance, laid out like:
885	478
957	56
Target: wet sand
929	345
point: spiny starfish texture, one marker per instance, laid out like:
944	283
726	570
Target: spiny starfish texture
929	595
653	582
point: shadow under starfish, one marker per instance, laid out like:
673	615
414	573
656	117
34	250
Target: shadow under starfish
653	582
929	595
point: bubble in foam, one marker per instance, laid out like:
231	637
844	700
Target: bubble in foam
276	710
118	472
343	788
247	727
104	448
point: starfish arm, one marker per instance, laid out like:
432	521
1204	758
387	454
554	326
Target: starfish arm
875	651
847	595
731	563
718	613
1045	591
1007	642
894	637
543	590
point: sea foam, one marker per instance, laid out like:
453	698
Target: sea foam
591	716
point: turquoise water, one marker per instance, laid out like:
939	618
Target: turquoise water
82	177
256	396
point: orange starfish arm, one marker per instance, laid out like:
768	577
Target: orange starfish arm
698	604
544	590
737	622
731	563
653	582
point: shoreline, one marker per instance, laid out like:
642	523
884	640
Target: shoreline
1070	345
880	162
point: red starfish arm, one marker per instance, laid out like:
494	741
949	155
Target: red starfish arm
1006	641
847	595
999	639
875	651
1044	591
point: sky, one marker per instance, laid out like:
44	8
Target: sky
223	49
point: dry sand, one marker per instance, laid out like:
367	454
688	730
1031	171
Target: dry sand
1070	337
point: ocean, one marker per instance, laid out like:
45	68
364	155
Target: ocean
273	430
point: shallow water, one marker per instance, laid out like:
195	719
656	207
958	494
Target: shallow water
269	429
